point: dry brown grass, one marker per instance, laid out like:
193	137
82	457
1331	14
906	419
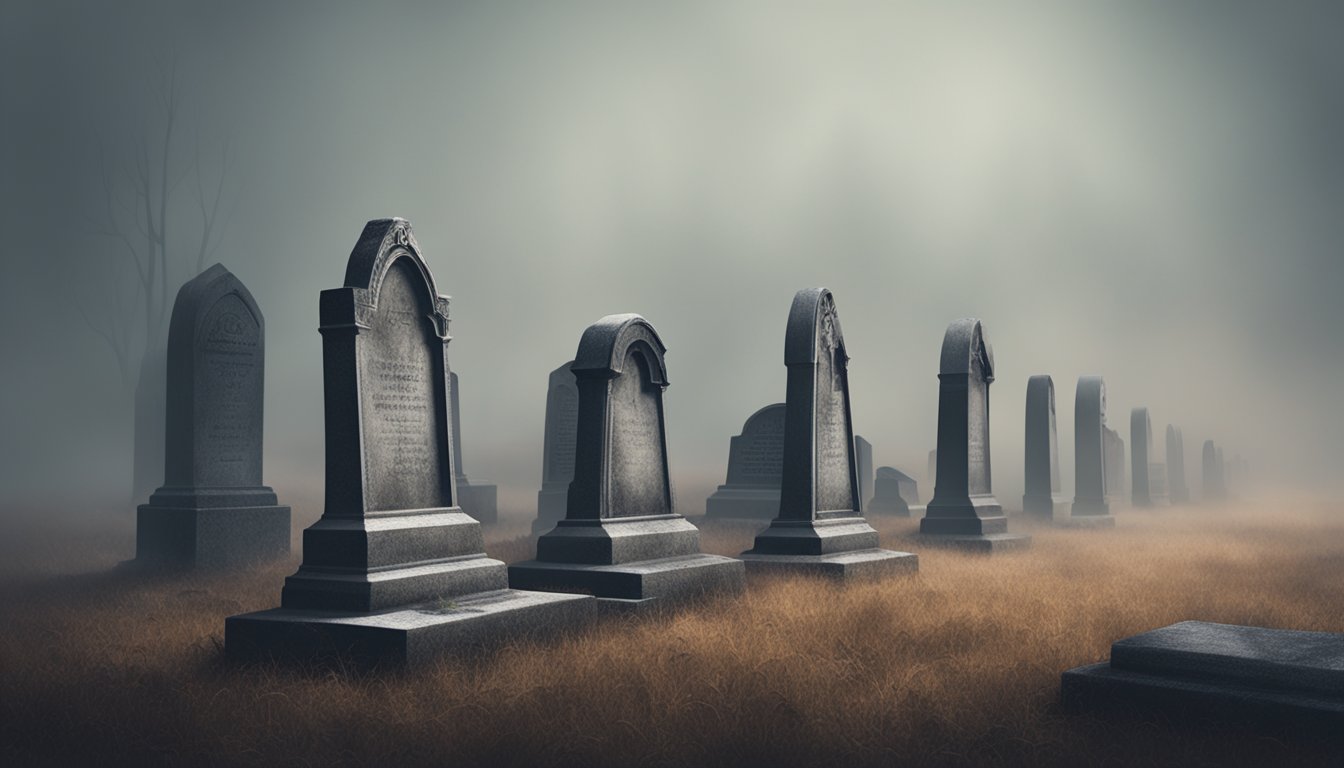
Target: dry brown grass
958	665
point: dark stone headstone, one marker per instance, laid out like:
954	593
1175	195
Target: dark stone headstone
1177	489
212	510
1042	451
480	500
1115	466
557	460
964	512
1213	473
863	452
894	493
394	572
150	397
755	464
820	527
1090	457
1141	449
621	538
1196	671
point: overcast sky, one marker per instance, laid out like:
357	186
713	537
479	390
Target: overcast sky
1151	192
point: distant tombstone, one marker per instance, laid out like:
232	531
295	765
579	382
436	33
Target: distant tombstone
621	539
480	500
1115	466
1213	473
394	573
1157	482
1177	489
1141	448
894	493
212	510
863	451
557	460
820	529
1041	460
964	512
150	397
755	464
1091	464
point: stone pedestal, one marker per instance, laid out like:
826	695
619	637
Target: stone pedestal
211	528
755	464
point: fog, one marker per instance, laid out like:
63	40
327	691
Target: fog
1147	192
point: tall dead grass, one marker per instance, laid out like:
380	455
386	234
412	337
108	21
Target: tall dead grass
957	665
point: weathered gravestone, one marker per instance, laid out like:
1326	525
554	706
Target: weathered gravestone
621	538
964	512
820	527
1141	448
150	397
1214	489
1090	466
1177	489
894	493
480	500
394	572
212	510
557	459
1115	466
755	464
1275	679
1042	451
863	453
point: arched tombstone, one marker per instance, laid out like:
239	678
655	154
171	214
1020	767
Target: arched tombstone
755	465
621	539
1177	488
1090	507
394	572
480	500
212	510
557	453
1041	459
964	512
820	527
1141	450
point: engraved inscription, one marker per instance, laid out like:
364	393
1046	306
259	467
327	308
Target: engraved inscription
977	438
564	426
757	457
638	465
228	396
834	442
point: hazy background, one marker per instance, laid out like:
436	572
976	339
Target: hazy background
1147	191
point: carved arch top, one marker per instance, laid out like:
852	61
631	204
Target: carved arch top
199	294
604	344
774	410
814	328
966	350
1041	389
383	242
1091	394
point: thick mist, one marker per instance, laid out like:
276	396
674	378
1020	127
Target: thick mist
1150	193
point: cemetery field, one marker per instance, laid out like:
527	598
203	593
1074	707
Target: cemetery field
959	664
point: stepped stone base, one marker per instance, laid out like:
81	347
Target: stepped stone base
743	502
638	584
858	565
988	543
209	537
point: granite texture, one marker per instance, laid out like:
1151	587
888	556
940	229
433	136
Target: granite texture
558	442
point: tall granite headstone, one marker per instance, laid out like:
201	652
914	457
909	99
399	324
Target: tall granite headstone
212	510
820	527
621	539
1090	465
557	459
150	399
1115	466
1178	491
863	452
1141	448
964	512
480	500
755	465
894	493
394	572
1041	459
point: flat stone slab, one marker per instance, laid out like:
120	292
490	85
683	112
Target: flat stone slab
863	564
409	636
1201	670
667	579
1085	521
988	543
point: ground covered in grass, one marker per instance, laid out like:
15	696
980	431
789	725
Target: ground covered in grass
959	664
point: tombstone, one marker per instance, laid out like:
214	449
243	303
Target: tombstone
1157	482
480	500
1177	490
1091	465
1115	466
150	396
863	451
394	573
820	528
755	463
1213	473
894	493
1140	447
964	512
212	510
621	538
1042	451
1194	672
557	455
